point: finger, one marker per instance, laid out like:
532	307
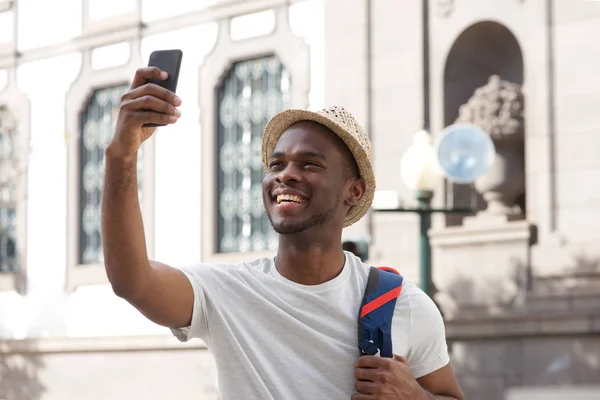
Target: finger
365	387
145	73
152	104
401	359
367	374
371	362
145	117
152	89
358	396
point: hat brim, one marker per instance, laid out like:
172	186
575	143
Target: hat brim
284	120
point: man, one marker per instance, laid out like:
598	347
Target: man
283	327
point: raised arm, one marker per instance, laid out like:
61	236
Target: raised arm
162	293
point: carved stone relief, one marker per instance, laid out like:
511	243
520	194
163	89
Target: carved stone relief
497	108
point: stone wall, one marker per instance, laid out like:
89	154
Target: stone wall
550	339
487	369
150	368
535	318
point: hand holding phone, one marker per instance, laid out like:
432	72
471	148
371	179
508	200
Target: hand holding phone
150	102
170	62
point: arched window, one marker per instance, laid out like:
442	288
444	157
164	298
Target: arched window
8	175
251	93
97	127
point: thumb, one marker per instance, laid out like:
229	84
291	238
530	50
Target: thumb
400	359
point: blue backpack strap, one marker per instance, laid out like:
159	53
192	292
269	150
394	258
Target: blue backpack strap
377	310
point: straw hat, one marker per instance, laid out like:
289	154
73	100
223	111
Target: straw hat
343	124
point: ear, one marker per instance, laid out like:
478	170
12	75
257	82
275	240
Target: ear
355	192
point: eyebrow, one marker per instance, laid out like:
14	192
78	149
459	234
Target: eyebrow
307	154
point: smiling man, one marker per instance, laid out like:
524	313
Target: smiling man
282	327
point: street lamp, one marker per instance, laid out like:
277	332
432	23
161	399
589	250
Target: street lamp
461	154
421	174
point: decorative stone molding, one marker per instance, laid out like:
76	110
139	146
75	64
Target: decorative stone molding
521	324
110	36
15	107
124	20
9	48
579	392
497	108
97	344
293	53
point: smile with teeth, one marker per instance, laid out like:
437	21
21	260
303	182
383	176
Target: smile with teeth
289	197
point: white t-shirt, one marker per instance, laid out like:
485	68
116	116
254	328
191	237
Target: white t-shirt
276	339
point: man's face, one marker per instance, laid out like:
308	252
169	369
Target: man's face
306	184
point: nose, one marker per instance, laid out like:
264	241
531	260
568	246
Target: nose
291	173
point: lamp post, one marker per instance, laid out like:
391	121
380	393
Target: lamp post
421	173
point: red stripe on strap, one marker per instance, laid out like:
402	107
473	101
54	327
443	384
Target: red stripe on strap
381	300
389	269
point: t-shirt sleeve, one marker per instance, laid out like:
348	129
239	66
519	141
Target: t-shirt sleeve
428	350
197	275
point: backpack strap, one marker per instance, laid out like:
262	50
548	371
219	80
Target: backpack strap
377	310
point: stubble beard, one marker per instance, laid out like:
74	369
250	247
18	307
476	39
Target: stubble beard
299	227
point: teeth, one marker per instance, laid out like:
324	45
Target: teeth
289	197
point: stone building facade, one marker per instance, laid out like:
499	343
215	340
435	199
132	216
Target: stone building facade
518	280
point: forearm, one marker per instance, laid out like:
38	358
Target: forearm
123	239
429	396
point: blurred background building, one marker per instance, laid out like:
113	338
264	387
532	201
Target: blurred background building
518	280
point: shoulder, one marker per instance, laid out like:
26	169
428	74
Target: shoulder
426	324
210	270
426	348
416	314
421	307
414	295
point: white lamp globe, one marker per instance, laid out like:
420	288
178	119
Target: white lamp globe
419	167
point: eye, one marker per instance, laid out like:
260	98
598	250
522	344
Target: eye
275	164
312	164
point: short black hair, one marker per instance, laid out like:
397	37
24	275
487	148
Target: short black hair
350	168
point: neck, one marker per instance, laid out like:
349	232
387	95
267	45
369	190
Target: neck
306	260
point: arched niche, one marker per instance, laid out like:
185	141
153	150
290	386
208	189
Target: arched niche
481	51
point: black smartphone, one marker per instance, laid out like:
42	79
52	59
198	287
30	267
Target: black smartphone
170	62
